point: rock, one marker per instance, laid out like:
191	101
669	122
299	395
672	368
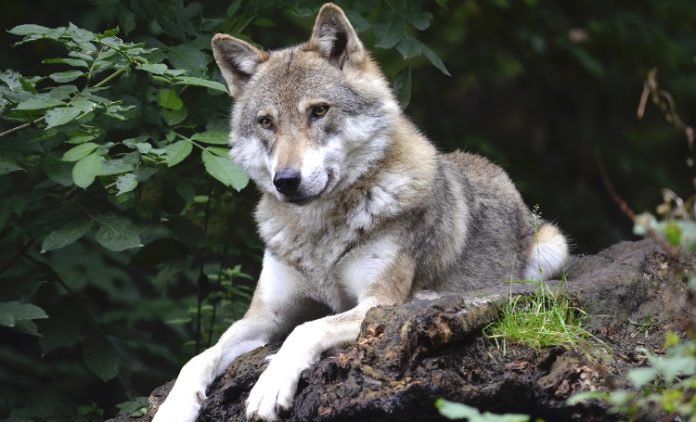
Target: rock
409	355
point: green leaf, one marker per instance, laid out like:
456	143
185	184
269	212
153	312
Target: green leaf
219	151
155	69
264	23
12	312
67	76
29	29
135	407
117	233
79	151
225	170
190	80
27	327
8	167
57	170
402	86
190	58
672	233
233	8
687	230
420	20
68	61
213	138
592	64
126	183
391	33
86	170
174	117
65	235
359	23
39	102
62	92
641	376
126	20
409	47
433	58
453	410
143	147
177	152
61	116
169	99
178	321
83	104
127	163
586	395
100	356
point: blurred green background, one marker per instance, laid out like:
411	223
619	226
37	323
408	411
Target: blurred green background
546	89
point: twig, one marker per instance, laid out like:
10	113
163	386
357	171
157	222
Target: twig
665	102
55	275
111	77
219	283
628	212
20	127
201	273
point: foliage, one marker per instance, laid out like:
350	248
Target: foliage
666	385
125	224
453	410
675	218
539	87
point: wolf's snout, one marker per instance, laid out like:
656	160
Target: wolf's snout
287	181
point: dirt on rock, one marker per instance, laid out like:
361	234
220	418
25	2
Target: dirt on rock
409	355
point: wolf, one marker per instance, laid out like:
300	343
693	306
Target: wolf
358	209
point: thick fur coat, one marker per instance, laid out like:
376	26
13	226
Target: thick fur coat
358	209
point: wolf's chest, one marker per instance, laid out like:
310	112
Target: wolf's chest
318	253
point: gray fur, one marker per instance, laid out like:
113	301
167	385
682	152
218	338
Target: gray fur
376	215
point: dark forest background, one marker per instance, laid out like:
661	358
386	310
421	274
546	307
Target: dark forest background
546	89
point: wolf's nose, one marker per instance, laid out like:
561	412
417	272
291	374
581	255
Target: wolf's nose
287	181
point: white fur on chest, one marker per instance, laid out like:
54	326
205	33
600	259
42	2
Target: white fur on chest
366	265
337	264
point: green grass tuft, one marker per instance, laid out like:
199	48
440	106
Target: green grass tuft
541	319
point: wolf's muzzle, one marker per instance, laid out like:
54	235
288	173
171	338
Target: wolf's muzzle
287	181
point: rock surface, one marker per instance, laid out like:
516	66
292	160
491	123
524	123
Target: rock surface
409	355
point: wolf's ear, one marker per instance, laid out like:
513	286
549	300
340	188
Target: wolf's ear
334	37
237	61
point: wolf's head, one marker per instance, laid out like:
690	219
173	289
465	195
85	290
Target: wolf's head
308	120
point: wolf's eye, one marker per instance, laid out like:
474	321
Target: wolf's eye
265	122
319	111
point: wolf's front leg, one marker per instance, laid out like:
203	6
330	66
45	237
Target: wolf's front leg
275	309
184	401
275	389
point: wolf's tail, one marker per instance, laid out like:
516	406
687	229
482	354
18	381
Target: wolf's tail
548	253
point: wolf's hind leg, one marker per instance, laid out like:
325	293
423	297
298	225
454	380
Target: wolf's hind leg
547	254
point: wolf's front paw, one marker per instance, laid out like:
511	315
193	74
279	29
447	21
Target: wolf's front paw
273	392
179	409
